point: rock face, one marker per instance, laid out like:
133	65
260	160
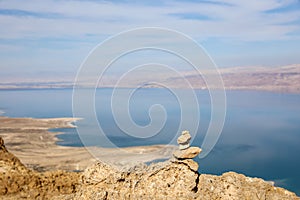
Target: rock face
173	180
233	186
17	181
159	181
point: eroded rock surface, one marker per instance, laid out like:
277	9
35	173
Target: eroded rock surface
233	186
19	182
173	180
165	180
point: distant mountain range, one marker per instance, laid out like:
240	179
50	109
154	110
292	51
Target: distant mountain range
280	79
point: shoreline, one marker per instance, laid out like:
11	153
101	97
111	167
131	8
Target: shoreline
32	142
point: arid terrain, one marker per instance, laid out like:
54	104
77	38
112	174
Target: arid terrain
280	79
31	141
284	79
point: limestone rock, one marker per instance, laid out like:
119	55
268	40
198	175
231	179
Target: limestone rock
173	179
184	146
19	182
184	138
185	132
189	162
164	180
8	161
2	146
189	153
235	186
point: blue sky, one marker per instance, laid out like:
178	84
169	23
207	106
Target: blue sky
54	36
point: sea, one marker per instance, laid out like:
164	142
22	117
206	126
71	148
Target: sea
260	137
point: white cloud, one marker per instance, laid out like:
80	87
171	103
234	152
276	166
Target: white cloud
43	34
243	20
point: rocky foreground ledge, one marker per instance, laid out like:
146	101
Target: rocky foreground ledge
172	179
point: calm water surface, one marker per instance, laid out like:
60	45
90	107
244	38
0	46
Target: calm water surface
261	135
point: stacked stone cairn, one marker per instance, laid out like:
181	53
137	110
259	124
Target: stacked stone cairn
186	153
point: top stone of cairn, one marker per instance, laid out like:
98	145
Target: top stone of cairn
184	140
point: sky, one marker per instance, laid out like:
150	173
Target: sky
53	37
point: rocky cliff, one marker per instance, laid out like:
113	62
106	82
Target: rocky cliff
173	179
19	182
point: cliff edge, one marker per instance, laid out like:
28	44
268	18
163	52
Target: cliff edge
172	179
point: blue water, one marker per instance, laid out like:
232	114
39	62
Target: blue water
261	135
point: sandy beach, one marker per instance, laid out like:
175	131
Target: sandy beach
32	142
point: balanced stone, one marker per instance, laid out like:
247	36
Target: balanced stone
184	146
184	138
189	153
